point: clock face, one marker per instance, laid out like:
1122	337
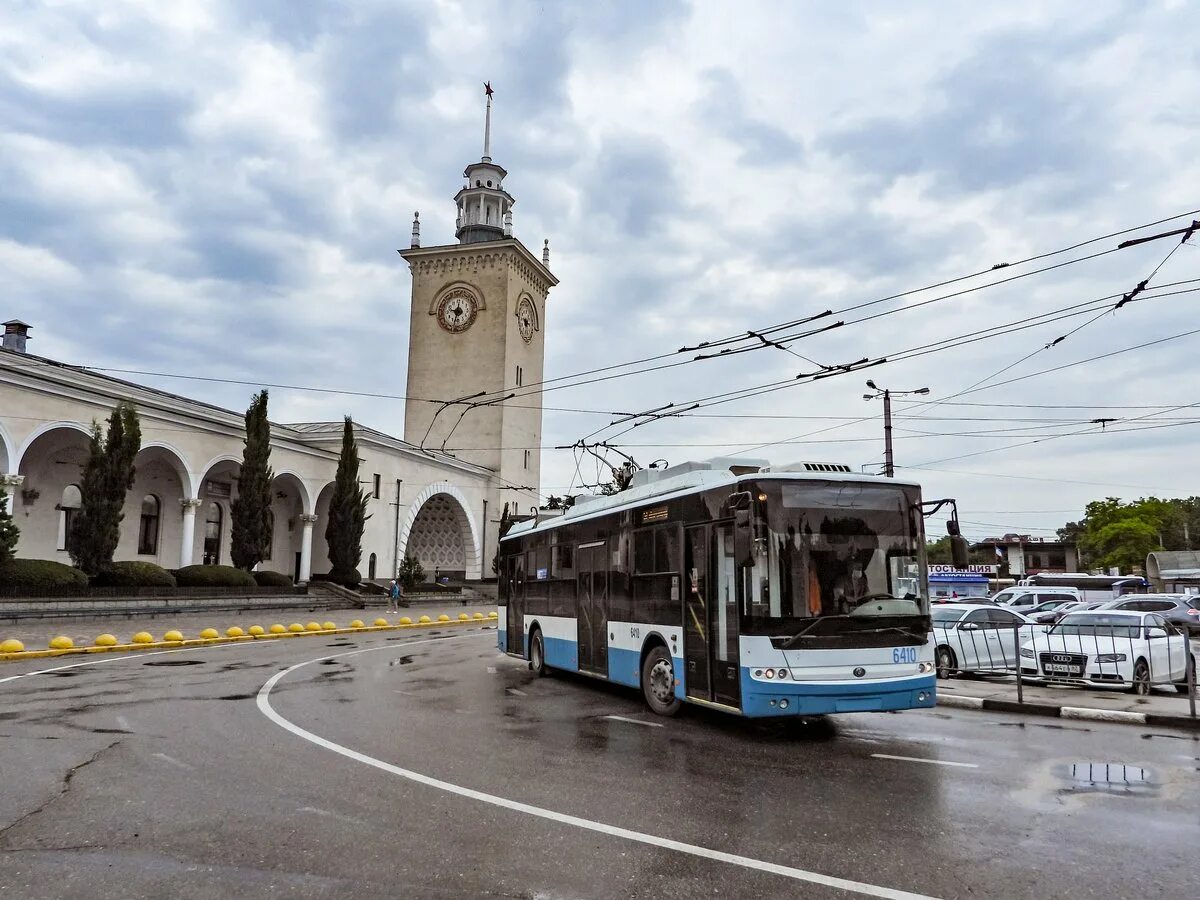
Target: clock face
525	316
457	311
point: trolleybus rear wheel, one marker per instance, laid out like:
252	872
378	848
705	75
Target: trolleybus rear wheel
537	653
658	682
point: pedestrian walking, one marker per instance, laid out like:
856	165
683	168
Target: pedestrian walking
394	592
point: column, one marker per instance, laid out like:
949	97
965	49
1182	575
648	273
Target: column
306	547
187	543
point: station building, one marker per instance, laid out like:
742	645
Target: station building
477	318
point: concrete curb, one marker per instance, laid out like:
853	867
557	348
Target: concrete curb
1086	713
202	642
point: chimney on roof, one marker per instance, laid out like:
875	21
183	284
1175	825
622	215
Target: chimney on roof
16	333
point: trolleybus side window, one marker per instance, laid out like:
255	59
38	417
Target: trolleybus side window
656	597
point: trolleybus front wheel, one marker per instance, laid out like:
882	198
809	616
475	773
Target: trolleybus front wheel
658	682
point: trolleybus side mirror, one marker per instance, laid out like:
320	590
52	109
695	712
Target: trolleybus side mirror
960	549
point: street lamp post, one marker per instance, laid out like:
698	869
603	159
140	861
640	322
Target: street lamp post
886	394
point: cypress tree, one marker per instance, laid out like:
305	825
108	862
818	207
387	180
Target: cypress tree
107	478
8	530
347	514
250	513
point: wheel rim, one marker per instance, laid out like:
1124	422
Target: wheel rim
537	652
1141	679
662	678
943	664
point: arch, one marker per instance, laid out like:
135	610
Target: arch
149	525
471	544
308	501
187	480
372	563
44	430
457	285
10	452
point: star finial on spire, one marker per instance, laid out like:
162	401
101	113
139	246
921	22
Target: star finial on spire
487	88
487	125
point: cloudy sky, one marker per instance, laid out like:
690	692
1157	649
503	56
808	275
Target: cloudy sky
219	189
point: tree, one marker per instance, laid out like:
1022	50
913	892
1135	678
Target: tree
9	533
107	478
347	513
250	513
1124	543
411	572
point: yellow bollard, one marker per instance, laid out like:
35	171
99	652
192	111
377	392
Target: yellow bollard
313	626
12	645
210	633
329	626
492	615
443	618
105	640
278	629
143	637
234	631
295	628
256	630
424	620
356	623
405	620
62	642
380	622
173	636
463	617
477	616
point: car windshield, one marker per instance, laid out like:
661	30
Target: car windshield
836	558
942	616
1099	626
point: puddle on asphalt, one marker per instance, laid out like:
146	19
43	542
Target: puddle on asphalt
174	662
400	661
238	696
1107	778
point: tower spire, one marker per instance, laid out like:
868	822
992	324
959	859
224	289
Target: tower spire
487	124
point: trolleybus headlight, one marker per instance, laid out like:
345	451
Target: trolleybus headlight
770	673
758	673
782	673
924	667
783	704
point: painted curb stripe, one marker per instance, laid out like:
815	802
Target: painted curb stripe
1102	715
857	887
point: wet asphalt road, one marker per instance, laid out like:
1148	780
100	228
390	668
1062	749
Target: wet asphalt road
164	775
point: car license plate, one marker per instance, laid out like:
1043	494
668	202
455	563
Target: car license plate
1063	669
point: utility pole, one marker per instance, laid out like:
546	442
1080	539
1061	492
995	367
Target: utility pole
889	469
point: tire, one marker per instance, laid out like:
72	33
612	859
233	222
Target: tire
1141	678
945	661
537	653
658	682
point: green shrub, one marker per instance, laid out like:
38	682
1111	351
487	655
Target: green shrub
272	579
41	574
134	574
213	576
411	572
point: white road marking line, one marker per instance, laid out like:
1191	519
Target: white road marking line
178	763
932	762
844	884
634	721
133	656
517	692
491	670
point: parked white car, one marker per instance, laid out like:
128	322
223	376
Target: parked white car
973	638
1022	597
1108	649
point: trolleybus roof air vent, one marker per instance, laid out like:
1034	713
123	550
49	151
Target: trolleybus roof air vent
738	465
811	467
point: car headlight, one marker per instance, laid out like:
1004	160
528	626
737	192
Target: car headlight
1110	657
1027	653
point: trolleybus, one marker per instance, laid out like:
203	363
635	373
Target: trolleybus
767	591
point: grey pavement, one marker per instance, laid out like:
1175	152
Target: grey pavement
1163	700
36	634
149	776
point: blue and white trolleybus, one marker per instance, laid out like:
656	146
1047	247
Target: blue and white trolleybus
767	591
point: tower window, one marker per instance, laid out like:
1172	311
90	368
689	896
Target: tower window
375	487
477	183
527	459
489	184
519	376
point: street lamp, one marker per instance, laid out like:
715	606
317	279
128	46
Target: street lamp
887	394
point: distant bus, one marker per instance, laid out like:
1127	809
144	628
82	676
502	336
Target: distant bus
1092	587
770	592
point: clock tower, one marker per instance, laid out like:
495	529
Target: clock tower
476	335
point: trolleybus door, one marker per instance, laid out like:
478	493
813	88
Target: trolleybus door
723	631
697	589
591	562
516	605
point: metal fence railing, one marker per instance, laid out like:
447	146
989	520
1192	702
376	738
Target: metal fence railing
1134	657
